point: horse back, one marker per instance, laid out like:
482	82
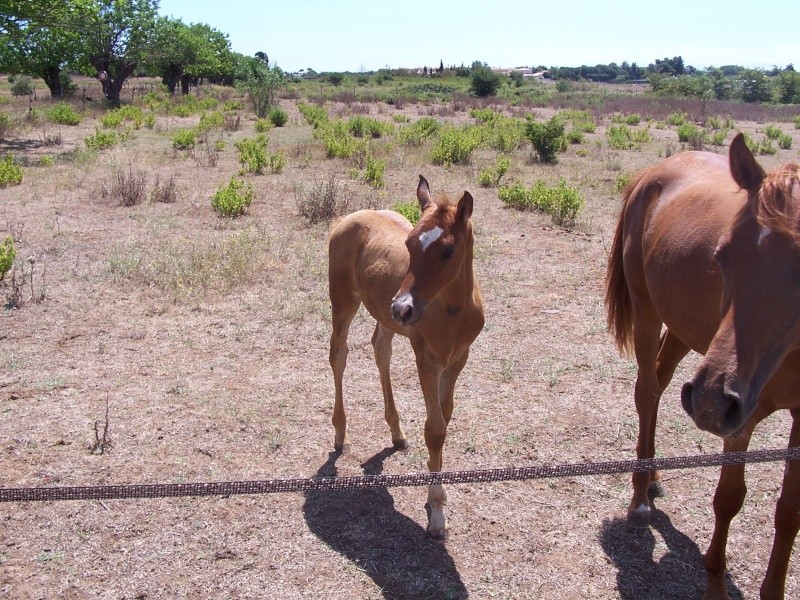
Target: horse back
368	259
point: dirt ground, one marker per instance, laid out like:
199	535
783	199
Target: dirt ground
208	377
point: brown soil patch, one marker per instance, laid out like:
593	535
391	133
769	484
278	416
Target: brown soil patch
230	381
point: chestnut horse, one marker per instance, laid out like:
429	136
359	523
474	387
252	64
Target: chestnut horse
417	282
710	248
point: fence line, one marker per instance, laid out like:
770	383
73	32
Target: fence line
317	484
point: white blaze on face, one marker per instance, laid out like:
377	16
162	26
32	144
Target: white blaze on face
430	236
765	231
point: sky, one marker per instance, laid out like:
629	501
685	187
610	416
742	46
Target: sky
363	35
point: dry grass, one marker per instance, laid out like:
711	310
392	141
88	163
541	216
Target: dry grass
203	343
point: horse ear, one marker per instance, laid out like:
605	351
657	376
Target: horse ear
464	210
423	193
744	168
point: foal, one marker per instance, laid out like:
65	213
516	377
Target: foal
418	282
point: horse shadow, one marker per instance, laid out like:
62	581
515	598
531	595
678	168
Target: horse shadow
678	574
396	552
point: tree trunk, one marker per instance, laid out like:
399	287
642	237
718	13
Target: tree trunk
172	75
184	84
52	78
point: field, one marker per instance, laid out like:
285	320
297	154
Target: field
161	343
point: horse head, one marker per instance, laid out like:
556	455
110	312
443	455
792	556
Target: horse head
759	260
440	253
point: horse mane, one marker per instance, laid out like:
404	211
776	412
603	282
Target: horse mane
777	204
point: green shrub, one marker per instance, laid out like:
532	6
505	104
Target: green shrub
373	172
316	116
63	114
691	134
797	122
772	132
184	139
278	116
7	255
211	120
505	135
626	119
263	125
717	137
622	180
622	137
10	172
5	124
410	210
561	202
338	141
101	140
547	138
485	115
114	118
253	154
678	118
575	136
150	120
491	176
454	146
416	133
784	141
364	127
46	160
21	86
233	199
277	162
484	82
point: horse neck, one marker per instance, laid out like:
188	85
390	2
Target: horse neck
459	291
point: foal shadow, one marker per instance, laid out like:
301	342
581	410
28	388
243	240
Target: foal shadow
678	574
364	526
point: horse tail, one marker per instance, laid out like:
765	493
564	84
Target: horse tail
618	299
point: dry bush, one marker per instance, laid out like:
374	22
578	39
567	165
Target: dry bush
320	201
166	192
232	122
127	187
188	268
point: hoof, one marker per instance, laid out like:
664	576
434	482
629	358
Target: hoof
400	444
342	448
656	489
437	525
639	518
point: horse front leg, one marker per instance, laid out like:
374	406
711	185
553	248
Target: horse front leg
728	500
343	309
787	522
430	375
382	344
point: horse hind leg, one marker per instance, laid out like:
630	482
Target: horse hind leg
671	352
657	357
382	345
343	309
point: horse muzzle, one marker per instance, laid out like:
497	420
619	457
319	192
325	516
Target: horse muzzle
405	311
718	408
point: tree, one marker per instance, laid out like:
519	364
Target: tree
260	81
34	42
118	35
173	48
754	86
484	82
42	52
787	87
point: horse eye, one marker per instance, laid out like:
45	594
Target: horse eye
448	253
